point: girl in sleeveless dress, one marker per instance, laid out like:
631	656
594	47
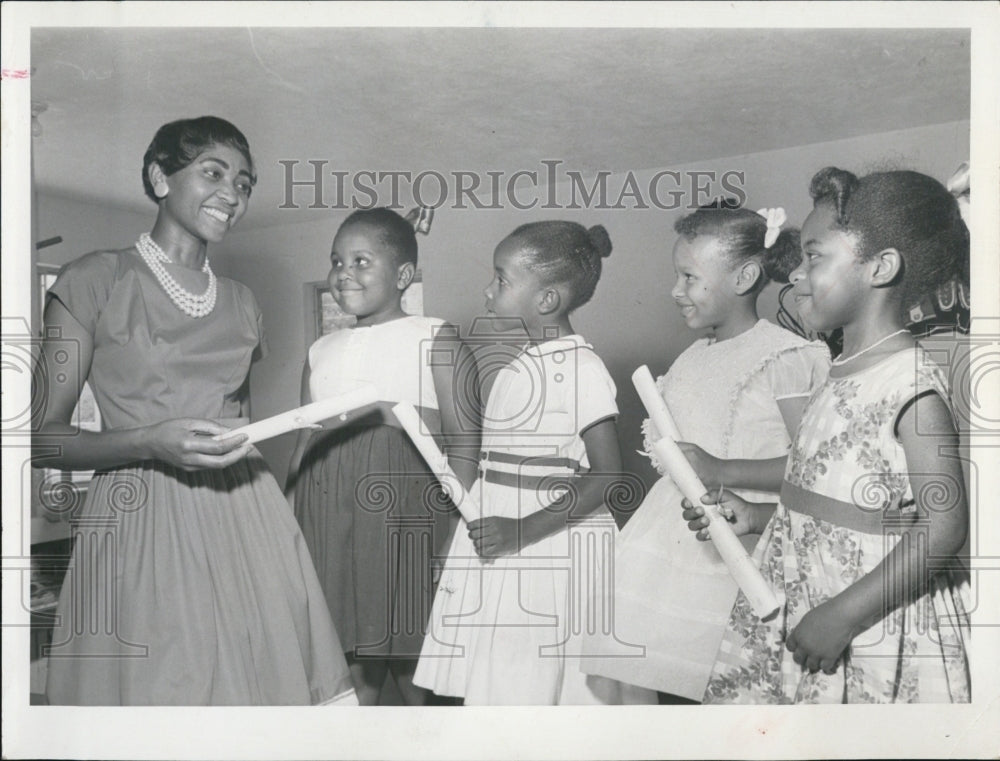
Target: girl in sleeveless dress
736	396
862	548
372	513
190	583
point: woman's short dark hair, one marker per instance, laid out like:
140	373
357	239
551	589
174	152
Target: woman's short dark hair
178	143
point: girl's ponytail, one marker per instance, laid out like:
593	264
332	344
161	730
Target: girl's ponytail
835	186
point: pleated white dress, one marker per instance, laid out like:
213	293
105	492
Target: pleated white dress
509	631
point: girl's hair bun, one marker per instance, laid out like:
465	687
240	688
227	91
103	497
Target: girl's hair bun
784	256
834	185
565	252
600	240
742	233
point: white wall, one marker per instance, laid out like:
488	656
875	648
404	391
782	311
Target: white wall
85	226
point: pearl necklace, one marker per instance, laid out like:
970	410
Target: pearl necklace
191	304
844	360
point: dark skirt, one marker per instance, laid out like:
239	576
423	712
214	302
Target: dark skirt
373	517
192	588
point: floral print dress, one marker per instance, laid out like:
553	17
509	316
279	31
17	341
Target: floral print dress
845	503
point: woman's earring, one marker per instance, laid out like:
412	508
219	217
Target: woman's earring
160	190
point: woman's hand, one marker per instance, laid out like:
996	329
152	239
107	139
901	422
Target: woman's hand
744	517
708	468
493	536
188	443
820	639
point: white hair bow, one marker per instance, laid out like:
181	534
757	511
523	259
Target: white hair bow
775	218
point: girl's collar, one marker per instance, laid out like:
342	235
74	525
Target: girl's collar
713	341
563	343
386	322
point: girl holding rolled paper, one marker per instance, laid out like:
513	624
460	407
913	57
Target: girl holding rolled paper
736	396
862	548
189	582
371	510
509	598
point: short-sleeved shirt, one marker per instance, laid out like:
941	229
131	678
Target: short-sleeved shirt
395	356
151	361
724	395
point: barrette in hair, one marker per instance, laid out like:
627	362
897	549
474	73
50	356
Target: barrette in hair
421	218
775	218
958	183
958	186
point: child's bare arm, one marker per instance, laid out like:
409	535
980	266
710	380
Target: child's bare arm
456	383
590	490
301	440
502	536
762	475
791	409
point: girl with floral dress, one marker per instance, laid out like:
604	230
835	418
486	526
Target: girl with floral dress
862	547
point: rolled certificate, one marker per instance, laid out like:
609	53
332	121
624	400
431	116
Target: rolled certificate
740	566
730	549
306	416
643	381
436	460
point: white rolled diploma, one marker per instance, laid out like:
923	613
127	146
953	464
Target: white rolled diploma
643	381
741	566
436	460
306	416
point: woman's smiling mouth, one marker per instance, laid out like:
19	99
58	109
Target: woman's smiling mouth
218	214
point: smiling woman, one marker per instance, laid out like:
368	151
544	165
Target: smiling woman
189	575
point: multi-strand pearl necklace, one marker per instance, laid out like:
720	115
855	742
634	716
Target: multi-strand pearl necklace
191	304
844	360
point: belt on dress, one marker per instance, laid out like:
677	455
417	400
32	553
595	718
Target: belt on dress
877	519
517	479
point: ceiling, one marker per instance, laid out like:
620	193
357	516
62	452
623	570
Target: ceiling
475	99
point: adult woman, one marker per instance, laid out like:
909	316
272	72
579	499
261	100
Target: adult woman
190	583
